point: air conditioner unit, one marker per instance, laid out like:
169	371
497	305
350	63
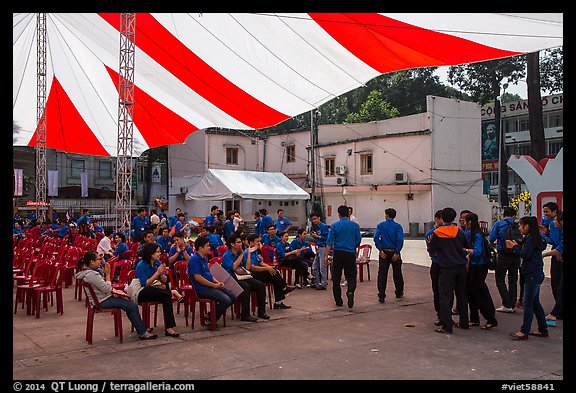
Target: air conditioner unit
342	181
340	170
401	177
183	190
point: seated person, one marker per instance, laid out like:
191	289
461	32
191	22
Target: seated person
270	238
288	257
307	255
180	251
214	239
165	240
265	273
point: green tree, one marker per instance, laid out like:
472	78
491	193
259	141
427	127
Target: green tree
372	109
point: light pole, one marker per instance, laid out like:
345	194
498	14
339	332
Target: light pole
501	141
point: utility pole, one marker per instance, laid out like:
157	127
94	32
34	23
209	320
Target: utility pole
41	117
125	122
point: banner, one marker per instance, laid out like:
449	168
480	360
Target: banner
156	174
18	181
489	143
52	183
84	184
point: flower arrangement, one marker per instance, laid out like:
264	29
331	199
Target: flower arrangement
525	198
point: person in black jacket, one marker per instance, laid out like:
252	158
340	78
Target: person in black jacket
449	243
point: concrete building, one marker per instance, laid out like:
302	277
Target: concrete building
416	164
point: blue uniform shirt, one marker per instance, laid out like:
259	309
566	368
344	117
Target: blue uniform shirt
282	248
322	231
255	258
199	265
165	243
265	223
478	257
297	243
554	234
258	227
120	248
344	235
209	220
389	235
499	230
172	221
282	224
228	260
139	223
228	228
180	257
433	256
144	271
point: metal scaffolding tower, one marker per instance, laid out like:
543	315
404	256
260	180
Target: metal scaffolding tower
125	122
41	117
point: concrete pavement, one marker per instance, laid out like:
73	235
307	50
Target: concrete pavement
314	340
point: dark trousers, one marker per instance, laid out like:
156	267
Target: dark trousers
452	280
383	267
479	298
555	276
343	261
558	310
249	285
300	268
224	299
275	279
164	296
507	264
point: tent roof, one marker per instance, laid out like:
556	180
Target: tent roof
219	184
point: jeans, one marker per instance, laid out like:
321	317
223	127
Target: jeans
131	310
224	299
343	261
507	264
531	303
319	268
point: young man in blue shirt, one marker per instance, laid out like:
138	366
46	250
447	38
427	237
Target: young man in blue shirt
174	219
180	251
553	236
270	238
389	240
282	223
344	237
165	240
210	218
214	239
139	224
266	221
319	232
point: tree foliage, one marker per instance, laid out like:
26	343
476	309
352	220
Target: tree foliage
372	109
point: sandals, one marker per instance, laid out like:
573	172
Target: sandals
538	334
148	337
519	336
488	326
441	330
172	334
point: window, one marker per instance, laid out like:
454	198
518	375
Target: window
105	169
231	156
553	147
291	153
366	164
554	119
523	124
329	166
77	167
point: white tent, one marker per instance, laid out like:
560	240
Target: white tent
220	184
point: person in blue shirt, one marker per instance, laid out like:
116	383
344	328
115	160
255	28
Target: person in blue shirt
174	219
479	298
319	231
229	227
63	230
165	240
551	233
180	225
205	284
270	238
17	230
532	269
265	222
306	254
344	237
558	252
462	221
258	223
210	218
508	262
83	223
151	273
180	251
231	260
214	239
290	257
120	241
282	223
389	240
139	224
265	273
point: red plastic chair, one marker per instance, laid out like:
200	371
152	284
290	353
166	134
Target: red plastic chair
363	259
220	250
56	278
214	260
123	268
93	308
184	286
286	271
24	291
203	309
265	253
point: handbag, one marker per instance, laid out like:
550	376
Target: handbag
133	289
242	274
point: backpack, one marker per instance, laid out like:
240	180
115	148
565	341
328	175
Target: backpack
490	254
512	233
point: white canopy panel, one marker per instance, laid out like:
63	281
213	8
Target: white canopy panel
220	184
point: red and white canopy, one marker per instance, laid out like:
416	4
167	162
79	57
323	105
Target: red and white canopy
240	71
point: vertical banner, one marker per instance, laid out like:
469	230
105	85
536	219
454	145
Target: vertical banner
156	174
18	181
52	183
84	184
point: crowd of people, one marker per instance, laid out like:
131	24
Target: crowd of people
458	255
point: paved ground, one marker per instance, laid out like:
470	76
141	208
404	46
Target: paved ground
314	340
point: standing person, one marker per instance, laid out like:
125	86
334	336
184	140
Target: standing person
282	223
139	224
448	243
231	260
237	220
558	252
532	269
389	240
214	239
435	267
319	232
150	272
89	270
180	225
258	223
478	292
463	225
266	221
551	233
344	237
174	219
265	273
154	218
229	227
211	218
508	261
206	286
352	216
290	257
83	223
219	223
